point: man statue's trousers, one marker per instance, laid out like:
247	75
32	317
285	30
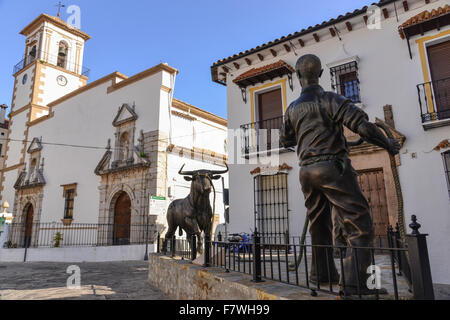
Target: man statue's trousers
335	202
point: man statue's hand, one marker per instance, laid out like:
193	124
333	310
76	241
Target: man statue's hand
394	147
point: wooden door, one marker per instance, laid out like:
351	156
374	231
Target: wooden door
270	107
270	111
122	220
439	61
29	216
373	187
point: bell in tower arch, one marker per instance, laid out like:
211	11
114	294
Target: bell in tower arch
62	54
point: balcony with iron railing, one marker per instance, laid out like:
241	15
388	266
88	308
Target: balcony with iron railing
55	60
262	137
434	101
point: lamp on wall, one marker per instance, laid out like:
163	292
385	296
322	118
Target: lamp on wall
291	81
244	94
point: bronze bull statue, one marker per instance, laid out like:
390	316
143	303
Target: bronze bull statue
194	214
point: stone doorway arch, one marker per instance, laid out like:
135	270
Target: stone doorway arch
122	219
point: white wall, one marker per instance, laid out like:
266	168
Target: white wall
74	255
51	90
388	76
86	120
23	91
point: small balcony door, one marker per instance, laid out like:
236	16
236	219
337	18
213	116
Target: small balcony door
270	106
438	58
270	113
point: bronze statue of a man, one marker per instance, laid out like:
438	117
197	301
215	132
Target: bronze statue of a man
334	200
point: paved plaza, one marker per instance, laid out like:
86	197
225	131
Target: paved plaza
105	281
99	281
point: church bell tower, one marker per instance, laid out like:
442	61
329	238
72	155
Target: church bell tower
51	67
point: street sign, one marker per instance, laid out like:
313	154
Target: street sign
158	206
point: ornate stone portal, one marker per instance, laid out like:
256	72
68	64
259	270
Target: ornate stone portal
28	197
139	171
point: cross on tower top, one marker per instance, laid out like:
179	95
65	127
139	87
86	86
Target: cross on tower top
59	5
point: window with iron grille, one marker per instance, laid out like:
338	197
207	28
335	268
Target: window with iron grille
345	81
70	199
271	208
446	157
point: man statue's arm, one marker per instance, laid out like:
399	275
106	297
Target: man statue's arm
372	134
357	121
288	137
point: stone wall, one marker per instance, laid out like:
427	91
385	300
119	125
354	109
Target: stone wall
182	280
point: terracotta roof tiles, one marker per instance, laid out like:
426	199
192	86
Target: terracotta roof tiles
264	69
422	17
304	31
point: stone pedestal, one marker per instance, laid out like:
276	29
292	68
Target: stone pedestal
218	258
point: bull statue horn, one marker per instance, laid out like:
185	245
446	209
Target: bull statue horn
185	173
221	172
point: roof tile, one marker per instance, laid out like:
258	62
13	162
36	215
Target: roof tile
257	71
422	17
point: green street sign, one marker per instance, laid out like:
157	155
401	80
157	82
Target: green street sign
158	206
158	198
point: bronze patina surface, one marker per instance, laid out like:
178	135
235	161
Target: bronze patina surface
337	209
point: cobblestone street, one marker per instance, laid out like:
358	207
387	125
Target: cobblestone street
99	281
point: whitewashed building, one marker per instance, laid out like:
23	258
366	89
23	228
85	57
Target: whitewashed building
4	125
89	156
394	61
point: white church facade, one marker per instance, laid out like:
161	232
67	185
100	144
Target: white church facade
398	73
91	156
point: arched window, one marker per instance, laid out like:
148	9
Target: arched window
124	146
33	52
62	54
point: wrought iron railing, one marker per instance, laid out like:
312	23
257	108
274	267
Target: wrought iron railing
262	136
434	100
186	249
51	235
345	81
403	269
395	241
54	60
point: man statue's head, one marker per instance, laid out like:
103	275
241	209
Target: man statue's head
309	69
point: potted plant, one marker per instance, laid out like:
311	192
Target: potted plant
57	239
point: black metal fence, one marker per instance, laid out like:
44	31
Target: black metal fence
54	235
291	263
434	100
403	269
401	259
186	249
261	136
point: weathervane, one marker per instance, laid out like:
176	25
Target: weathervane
59	5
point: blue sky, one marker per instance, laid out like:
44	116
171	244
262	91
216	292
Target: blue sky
131	36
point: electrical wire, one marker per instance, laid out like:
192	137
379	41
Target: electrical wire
94	147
